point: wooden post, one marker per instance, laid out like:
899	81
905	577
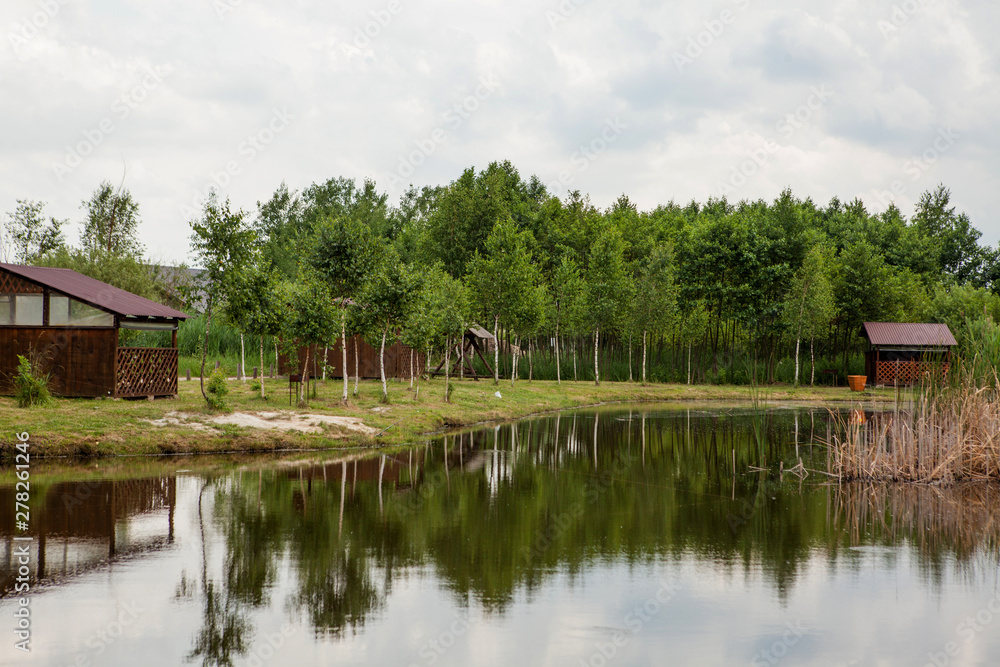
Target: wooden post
189	375
254	372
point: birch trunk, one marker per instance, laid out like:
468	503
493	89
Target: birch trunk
558	371
513	364
243	360
689	362
797	341
496	349
644	357
204	348
447	371
812	363
411	368
381	366
262	366
597	371
304	378
531	363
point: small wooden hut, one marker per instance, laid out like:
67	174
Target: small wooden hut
470	346
905	354
70	322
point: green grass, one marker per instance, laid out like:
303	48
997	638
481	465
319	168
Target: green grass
102	427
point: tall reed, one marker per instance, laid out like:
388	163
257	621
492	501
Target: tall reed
950	433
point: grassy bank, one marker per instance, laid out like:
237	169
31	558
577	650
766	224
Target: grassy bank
101	427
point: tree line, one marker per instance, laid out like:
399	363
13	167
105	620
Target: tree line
717	291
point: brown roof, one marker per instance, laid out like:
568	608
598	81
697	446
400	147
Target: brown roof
92	291
480	332
916	335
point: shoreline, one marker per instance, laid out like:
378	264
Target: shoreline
86	428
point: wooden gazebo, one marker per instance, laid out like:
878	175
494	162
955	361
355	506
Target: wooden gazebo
470	346
906	353
70	323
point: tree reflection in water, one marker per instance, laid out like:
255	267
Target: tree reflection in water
502	511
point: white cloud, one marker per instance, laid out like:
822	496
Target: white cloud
366	81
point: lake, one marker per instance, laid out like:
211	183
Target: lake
650	535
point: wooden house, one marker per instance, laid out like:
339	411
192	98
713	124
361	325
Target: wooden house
70	323
905	354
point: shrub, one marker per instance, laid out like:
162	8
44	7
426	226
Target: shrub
216	390
30	383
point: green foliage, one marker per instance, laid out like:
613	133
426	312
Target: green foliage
505	281
216	390
29	235
111	224
608	286
31	383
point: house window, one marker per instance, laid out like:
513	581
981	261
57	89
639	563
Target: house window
67	312
6	309
28	310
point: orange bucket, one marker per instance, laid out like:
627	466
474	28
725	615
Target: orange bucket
857	382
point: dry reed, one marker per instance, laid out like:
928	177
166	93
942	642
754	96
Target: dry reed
951	433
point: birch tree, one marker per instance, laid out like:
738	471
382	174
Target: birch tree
607	287
809	306
222	242
344	254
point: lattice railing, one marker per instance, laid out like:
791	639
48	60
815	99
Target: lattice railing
146	371
9	283
908	372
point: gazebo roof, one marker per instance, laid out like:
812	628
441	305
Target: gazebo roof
94	292
900	334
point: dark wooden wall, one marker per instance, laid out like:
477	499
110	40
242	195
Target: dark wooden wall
397	360
80	361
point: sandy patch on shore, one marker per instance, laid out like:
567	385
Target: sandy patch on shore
274	421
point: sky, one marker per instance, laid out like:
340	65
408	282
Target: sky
659	101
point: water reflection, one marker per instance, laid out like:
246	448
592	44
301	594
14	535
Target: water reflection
77	527
497	518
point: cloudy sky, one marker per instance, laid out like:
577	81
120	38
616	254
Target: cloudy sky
683	100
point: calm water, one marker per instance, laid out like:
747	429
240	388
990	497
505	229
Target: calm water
619	537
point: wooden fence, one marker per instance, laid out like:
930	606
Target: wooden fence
146	371
895	373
